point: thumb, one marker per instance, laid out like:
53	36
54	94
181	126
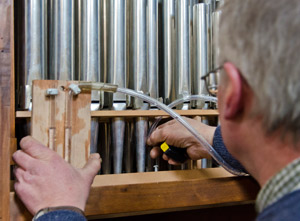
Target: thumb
92	166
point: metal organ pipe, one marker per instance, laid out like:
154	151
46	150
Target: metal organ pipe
104	127
153	61
34	48
152	47
62	40
157	47
182	79
200	56
90	57
116	58
169	49
138	75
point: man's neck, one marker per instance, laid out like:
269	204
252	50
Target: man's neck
267	154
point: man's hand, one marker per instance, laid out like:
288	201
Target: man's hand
44	179
173	133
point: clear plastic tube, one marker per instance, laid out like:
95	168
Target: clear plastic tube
181	100
177	117
202	141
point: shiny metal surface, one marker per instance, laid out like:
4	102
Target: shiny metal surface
104	147
118	129
116	42
62	40
129	151
34	48
90	56
169	50
152	47
200	56
138	74
141	129
90	59
117	72
183	75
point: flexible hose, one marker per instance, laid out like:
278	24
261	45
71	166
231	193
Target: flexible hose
177	117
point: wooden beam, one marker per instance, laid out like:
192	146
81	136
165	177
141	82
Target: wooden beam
152	192
135	113
6	102
144	193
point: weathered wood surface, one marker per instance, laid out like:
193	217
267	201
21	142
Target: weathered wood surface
152	192
80	123
6	113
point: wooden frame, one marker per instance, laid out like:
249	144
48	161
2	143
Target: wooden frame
7	119
113	195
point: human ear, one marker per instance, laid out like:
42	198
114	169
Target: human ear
233	103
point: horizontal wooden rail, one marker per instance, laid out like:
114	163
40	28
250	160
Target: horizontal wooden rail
135	113
145	193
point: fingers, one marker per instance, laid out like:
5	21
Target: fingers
34	148
23	160
155	152
19	174
158	136
92	166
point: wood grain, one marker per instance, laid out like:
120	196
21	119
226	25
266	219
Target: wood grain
80	123
6	89
145	193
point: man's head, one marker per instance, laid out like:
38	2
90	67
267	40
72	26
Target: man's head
262	39
260	84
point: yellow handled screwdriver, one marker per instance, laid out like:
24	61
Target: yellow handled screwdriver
177	154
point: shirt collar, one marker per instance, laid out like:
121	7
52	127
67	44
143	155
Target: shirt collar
285	181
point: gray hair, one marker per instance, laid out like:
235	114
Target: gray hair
262	38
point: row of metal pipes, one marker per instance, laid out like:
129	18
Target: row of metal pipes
157	47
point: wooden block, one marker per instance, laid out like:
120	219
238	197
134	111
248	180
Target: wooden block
78	152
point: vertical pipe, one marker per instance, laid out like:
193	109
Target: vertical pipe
200	45
139	75
104	131
192	49
90	41
128	150
215	42
62	40
169	49
34	48
90	66
116	58
104	146
205	163
209	37
182	79
153	62
152	47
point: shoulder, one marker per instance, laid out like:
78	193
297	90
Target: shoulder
286	208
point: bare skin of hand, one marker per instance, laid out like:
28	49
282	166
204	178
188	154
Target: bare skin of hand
44	179
173	133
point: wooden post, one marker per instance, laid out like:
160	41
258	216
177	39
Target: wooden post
6	102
